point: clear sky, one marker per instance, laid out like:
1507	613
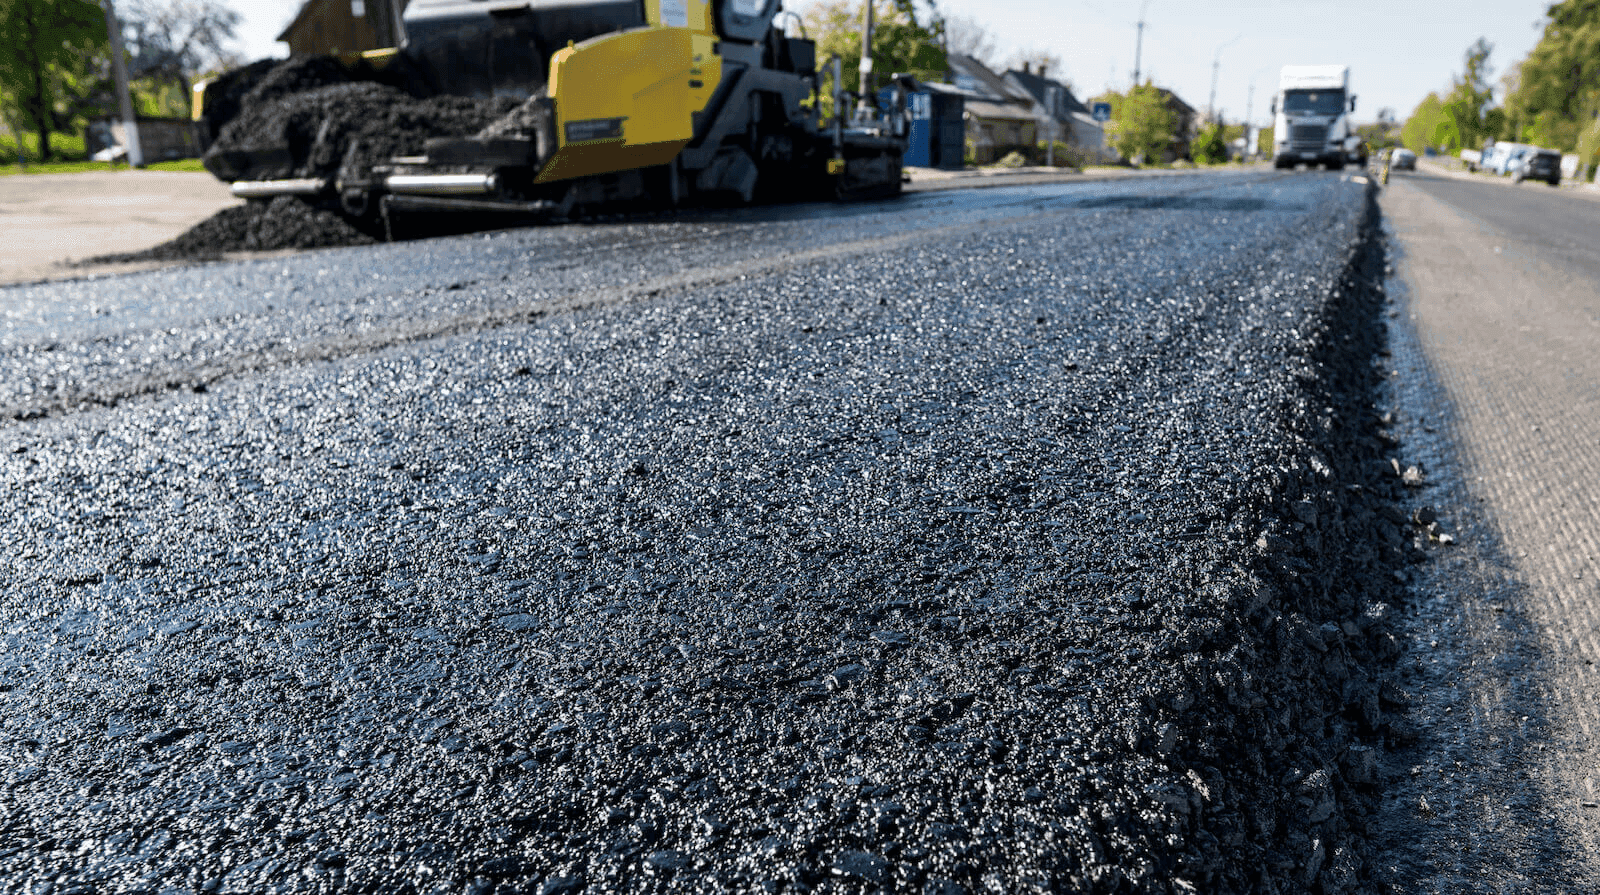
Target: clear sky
263	21
1398	50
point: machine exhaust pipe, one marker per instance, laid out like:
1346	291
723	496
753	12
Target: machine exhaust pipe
442	184
266	189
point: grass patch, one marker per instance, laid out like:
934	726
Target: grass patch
182	164
186	164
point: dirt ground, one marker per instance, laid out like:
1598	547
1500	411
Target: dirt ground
51	220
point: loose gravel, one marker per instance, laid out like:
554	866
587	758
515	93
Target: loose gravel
1049	556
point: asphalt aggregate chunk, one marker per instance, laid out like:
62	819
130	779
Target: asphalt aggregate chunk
1055	554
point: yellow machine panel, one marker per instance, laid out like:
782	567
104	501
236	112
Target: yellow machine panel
627	100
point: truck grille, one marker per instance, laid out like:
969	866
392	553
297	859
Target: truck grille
1310	135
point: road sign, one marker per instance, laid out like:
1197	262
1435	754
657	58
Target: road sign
1102	111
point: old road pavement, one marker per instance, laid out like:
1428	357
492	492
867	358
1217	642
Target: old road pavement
1501	291
1061	537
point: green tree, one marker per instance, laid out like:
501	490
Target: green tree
1557	93
1431	125
900	42
1210	147
1142	125
45	47
168	42
1588	148
1470	96
1383	133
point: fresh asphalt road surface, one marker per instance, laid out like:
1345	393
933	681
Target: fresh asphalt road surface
1020	539
1502	287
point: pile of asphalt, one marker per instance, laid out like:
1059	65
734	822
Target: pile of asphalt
323	117
966	567
355	124
285	222
229	92
266	81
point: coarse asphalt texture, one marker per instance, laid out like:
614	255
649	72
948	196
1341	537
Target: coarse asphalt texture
1034	539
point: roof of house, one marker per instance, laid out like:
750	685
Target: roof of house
1038	86
981	108
305	9
970	74
1174	100
946	89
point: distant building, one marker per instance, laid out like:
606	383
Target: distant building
999	116
1061	113
160	139
1188	125
344	26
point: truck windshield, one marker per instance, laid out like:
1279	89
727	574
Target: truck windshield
1313	102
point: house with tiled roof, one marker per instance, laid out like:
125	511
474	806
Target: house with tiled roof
1063	116
999	116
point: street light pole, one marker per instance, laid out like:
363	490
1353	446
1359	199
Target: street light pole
119	72
1138	45
1216	64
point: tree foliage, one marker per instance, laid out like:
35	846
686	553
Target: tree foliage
1383	133
968	36
1431	125
1470	95
170	41
1557	94
900	42
1142	125
55	70
1210	146
47	51
1460	119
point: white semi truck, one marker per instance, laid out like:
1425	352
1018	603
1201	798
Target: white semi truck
1312	118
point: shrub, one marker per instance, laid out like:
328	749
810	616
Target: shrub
1209	148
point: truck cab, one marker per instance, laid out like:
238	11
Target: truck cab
1312	118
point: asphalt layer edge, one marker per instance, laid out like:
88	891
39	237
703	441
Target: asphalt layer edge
1309	681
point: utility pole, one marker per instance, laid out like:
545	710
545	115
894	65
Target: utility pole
1216	64
1211	101
866	58
1138	46
1052	101
119	72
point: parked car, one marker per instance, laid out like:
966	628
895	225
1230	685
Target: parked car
1499	158
1537	164
1403	160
